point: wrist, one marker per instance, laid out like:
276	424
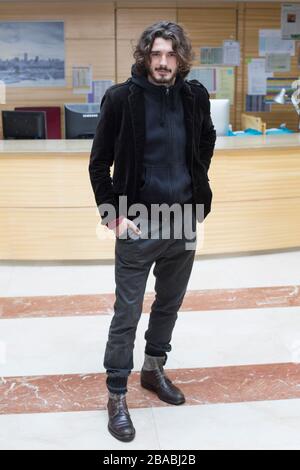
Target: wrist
114	223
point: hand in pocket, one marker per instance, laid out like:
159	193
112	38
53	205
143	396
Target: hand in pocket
124	225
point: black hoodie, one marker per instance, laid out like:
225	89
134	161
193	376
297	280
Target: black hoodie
166	178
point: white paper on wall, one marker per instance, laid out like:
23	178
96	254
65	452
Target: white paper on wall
225	83
99	87
278	62
270	41
205	75
231	52
2	92
82	79
257	77
290	21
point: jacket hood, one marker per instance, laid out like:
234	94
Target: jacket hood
161	91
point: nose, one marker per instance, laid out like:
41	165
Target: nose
163	60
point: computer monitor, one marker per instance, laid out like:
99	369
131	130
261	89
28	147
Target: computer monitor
220	115
53	119
24	124
81	120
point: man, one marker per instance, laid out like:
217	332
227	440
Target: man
156	129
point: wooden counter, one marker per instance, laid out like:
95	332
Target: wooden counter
48	211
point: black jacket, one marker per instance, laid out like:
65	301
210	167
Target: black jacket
166	176
120	140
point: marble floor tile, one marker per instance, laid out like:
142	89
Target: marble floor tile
69	345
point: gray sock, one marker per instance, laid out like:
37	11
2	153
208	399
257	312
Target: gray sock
116	396
153	362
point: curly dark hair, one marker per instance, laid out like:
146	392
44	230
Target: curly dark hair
166	30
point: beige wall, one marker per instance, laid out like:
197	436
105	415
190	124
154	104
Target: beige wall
103	34
89	39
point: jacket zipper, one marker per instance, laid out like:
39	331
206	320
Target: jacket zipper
170	146
169	122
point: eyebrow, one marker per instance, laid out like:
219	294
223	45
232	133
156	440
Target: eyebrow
157	50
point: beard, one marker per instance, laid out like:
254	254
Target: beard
162	80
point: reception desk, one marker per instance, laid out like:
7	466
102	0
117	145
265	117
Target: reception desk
48	211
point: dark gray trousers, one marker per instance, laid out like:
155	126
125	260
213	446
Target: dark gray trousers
133	260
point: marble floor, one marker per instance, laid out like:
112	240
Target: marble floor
235	354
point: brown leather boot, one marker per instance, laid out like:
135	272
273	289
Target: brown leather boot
154	378
120	425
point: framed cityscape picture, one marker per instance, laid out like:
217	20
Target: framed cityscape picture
32	53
